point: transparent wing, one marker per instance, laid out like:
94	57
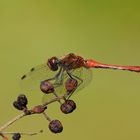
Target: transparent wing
32	79
82	73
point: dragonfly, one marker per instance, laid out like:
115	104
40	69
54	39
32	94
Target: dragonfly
58	70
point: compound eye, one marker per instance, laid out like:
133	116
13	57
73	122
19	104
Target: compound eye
53	63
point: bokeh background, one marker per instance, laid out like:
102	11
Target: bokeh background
108	31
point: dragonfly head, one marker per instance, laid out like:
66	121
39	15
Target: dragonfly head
53	63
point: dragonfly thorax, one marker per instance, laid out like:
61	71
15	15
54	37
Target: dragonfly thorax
72	61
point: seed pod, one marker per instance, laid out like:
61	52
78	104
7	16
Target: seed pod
17	105
68	107
46	87
22	100
16	136
55	126
71	84
53	63
39	109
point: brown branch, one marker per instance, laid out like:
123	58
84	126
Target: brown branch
23	114
12	121
47	117
23	133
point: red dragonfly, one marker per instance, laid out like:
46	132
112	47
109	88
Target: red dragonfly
59	70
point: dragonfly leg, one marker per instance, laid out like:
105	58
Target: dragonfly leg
68	95
51	79
59	74
55	85
75	77
57	82
55	94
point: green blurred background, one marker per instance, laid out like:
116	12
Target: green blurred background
108	31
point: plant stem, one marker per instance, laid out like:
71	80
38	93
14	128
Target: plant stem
47	117
12	121
23	133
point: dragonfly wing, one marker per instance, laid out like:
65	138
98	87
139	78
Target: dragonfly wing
82	73
32	79
60	90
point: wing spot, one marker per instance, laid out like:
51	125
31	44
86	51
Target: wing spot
23	77
32	69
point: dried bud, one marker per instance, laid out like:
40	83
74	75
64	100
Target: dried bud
71	84
17	105
55	126
16	136
22	100
39	109
46	87
68	107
